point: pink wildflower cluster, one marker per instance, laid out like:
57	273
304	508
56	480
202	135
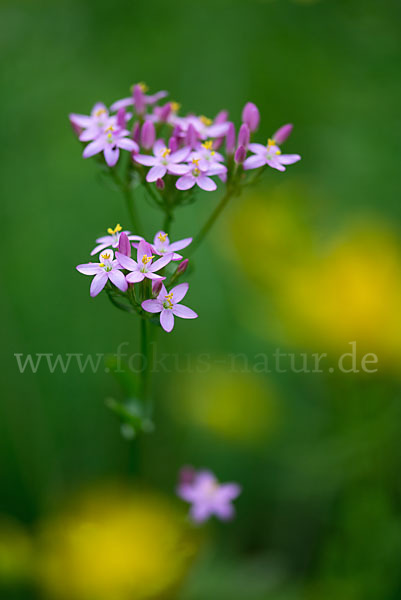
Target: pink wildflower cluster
183	147
124	273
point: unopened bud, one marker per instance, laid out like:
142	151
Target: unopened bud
221	117
230	138
148	135
251	116
160	184
182	266
121	117
173	144
124	245
136	132
191	137
77	128
156	286
165	111
244	135
139	99
283	133
240	155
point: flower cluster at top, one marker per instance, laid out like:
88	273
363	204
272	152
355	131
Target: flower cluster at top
190	149
140	285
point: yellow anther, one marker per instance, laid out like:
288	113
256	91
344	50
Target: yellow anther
117	229
169	298
101	264
278	152
147	259
110	128
162	237
175	106
100	112
208	145
106	256
196	172
143	86
195	161
166	152
207	122
271	142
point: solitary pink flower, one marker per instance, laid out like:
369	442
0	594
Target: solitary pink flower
109	142
145	267
207	496
167	304
164	161
269	155
146	98
200	177
103	271
112	240
161	245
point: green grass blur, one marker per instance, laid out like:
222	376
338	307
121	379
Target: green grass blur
308	262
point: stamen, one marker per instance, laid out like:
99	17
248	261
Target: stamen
162	237
101	264
147	259
169	299
196	172
106	256
166	152
143	86
208	145
278	152
110	128
100	112
195	161
117	229
175	106
271	142
207	122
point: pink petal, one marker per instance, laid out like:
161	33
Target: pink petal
224	511
111	155
183	311
257	148
152	306
167	319
135	277
151	275
205	183
99	248
126	262
89	268
144	248
156	172
124	102
118	279
200	512
180	155
94	148
185	183
127	144
254	162
275	164
81	120
179	245
288	159
158	147
178	169
144	159
160	263
179	292
98	283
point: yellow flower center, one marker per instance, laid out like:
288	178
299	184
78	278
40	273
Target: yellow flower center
117	229
207	122
208	145
143	86
166	152
195	161
110	128
196	172
271	143
100	112
162	237
101	264
105	256
169	299
147	259
175	106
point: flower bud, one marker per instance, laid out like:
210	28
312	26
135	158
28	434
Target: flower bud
230	139
148	135
283	133
251	116
165	111
187	475
182	266
136	132
77	128
191	137
221	117
244	135
156	286
160	184
139	99
124	245
173	144
240	155
121	117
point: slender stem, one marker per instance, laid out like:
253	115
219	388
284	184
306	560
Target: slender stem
213	218
146	361
167	221
129	201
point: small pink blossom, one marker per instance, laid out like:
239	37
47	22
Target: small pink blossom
200	177
109	142
147	98
167	304
163	161
144	267
161	245
107	269
113	238
269	155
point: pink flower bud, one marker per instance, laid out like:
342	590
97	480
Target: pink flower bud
160	184
121	118
251	116
77	129
182	266
139	99
187	475
136	132
165	111
173	144
156	286
148	135
230	139
191	137
221	117
244	135
124	245
240	155
283	133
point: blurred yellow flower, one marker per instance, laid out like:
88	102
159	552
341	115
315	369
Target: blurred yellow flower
323	295
234	405
15	551
115	544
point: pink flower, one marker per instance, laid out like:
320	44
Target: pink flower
93	124
208	157
167	304
109	142
207	496
164	161
161	245
112	240
147	99
107	269
251	116
204	127
200	177
145	267
269	155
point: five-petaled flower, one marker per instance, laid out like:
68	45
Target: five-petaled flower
145	267
93	124
201	177
164	161
271	154
208	497
109	142
107	269
113	239
167	304
161	245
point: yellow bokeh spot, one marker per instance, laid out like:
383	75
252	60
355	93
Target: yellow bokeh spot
115	544
143	86
175	106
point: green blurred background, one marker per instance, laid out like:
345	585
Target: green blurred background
308	262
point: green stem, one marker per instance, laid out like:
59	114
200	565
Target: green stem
213	218
145	346
167	221
129	201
